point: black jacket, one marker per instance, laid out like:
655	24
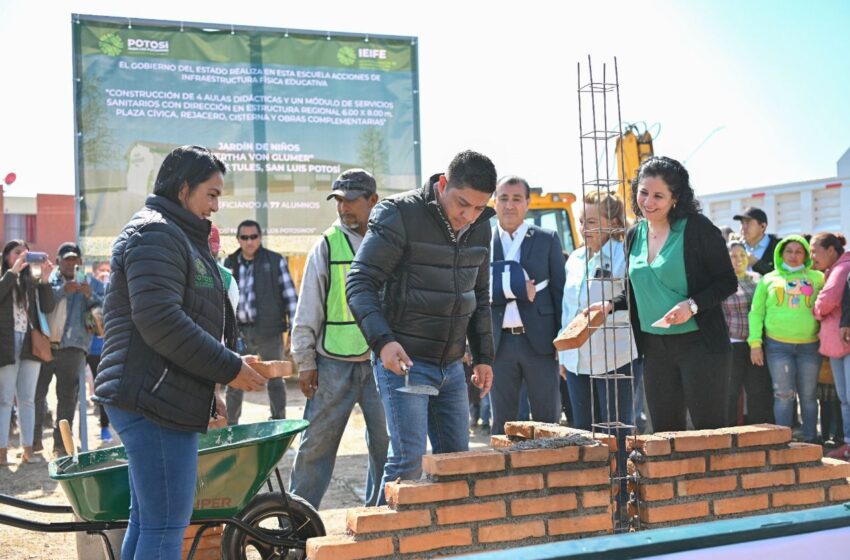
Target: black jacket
845	305
765	263
164	316
711	279
411	281
7	318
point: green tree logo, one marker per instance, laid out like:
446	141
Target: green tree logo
346	56
111	44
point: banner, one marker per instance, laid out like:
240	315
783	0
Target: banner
287	111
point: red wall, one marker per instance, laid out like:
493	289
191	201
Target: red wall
55	222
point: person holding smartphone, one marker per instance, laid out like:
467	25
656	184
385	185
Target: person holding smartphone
18	317
69	339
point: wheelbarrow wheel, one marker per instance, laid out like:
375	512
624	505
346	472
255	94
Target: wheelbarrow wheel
268	512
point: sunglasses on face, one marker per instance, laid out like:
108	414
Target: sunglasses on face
252	237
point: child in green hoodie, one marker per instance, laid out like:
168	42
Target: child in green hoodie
782	321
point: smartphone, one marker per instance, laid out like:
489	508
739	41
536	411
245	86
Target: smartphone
36	257
79	274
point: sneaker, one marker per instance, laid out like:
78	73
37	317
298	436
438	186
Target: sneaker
105	435
842	453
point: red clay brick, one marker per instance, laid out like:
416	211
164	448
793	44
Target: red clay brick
524	430
447	515
464	462
584	477
839	493
545	431
511	531
759	434
737	460
344	547
729	506
795	453
405	492
376	519
656	492
192	530
595	498
698	440
830	469
509	484
651	445
663	469
597	453
663	514
542	457
581	524
434	540
711	485
500	442
798	497
764	480
608	440
546	504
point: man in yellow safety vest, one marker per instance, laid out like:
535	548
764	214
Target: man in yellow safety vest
331	353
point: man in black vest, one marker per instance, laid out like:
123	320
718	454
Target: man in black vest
419	287
267	302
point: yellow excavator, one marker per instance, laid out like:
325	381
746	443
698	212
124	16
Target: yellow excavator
632	149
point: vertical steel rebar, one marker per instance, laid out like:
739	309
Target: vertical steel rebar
612	421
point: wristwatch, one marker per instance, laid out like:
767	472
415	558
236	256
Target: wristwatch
693	305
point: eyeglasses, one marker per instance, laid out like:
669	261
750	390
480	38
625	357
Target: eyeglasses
252	237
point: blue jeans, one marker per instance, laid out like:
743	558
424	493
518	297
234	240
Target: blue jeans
163	465
18	380
794	370
443	419
841	374
341	386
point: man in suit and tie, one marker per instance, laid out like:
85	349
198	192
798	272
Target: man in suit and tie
526	308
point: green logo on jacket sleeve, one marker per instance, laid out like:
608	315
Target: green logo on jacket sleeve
203	278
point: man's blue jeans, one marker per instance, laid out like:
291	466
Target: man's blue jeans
341	386
163	465
794	370
443	419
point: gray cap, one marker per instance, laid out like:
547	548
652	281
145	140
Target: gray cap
354	183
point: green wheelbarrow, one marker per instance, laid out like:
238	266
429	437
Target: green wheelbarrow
234	464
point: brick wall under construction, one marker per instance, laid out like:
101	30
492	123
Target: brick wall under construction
544	482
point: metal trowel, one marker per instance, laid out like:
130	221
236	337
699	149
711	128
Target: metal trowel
415	389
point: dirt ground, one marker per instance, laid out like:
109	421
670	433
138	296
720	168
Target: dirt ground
31	482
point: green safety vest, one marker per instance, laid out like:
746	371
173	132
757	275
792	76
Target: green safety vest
341	337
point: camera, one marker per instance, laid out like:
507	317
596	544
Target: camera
36	257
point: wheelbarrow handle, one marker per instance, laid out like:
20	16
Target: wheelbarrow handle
67	437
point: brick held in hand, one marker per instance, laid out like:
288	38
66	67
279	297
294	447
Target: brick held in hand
273	369
578	331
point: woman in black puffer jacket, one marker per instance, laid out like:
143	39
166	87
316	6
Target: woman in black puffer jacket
165	318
